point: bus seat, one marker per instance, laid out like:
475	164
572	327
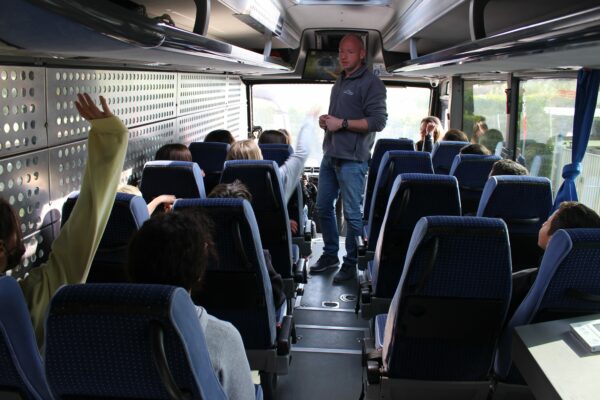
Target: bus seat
264	183
413	196
392	164
127	341
22	374
128	214
533	195
472	171
181	179
382	146
443	155
237	288
210	156
279	153
445	318
567	285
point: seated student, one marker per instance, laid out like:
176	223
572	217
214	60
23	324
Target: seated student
479	129
220	136
455	135
491	138
273	137
570	214
238	190
430	131
290	171
173	152
174	249
166	200
73	250
508	167
475	149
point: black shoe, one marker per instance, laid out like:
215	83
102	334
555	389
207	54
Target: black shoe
345	273
324	263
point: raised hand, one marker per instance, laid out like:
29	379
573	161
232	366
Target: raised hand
88	110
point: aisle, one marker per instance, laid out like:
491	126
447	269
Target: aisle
326	360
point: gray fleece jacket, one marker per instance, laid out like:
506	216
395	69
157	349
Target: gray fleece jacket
362	95
227	356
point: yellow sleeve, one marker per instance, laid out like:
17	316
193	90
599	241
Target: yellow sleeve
73	250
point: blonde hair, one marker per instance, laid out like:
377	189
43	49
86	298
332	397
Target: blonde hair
129	189
437	131
244	150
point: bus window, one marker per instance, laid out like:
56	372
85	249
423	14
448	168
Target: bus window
545	136
406	107
484	116
278	106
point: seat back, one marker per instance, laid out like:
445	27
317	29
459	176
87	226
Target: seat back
264	182
236	288
382	146
210	156
534	197
20	362
277	152
443	155
181	179
127	341
413	196
128	214
446	314
567	285
472	171
393	163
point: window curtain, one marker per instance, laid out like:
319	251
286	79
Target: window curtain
585	106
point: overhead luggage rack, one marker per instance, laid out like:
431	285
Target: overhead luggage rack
60	30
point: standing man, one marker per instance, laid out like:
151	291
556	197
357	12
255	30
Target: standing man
357	110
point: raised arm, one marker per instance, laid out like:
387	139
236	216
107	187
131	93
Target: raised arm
73	250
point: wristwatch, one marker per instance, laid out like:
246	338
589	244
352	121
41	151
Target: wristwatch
345	124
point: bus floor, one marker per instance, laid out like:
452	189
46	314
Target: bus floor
326	360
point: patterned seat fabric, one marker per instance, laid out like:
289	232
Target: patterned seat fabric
451	302
443	155
472	171
123	341
534	197
210	156
181	179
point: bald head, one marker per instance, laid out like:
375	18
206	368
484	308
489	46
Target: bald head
351	53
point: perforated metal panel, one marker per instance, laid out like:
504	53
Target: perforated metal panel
193	128
143	144
236	117
201	93
67	165
22	110
138	98
24	184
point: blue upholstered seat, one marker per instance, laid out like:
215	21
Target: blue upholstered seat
22	372
128	214
472	171
393	163
443	155
533	195
382	146
210	156
129	342
445	317
413	196
277	152
181	179
264	182
567	285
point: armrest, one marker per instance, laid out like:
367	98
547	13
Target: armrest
284	333
308	231
300	272
364	258
361	245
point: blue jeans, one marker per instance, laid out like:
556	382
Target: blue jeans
348	177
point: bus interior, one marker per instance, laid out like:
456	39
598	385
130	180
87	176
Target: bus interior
175	70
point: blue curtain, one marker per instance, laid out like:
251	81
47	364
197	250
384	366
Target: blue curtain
585	106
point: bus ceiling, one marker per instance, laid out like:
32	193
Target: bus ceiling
404	38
